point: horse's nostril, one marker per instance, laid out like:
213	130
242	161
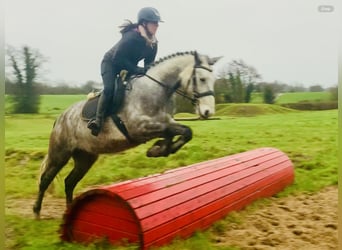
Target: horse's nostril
205	114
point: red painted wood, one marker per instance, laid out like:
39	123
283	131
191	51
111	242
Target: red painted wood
99	230
196	214
199	179
234	190
97	213
153	210
95	217
205	222
179	172
196	191
107	206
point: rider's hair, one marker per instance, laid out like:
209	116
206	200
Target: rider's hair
127	26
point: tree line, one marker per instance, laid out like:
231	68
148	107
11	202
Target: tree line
236	81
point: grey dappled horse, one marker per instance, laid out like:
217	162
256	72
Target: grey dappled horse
146	113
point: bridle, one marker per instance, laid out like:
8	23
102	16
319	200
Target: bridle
196	94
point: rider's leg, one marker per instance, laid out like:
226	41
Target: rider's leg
108	78
118	96
96	124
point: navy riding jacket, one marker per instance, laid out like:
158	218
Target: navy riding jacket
127	53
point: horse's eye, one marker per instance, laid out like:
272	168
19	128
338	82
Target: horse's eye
202	79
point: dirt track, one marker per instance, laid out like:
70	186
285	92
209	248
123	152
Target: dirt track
305	222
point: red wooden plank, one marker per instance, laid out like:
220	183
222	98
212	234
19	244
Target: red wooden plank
174	199
221	164
137	183
101	203
110	221
195	194
189	229
198	180
157	238
107	204
222	196
100	231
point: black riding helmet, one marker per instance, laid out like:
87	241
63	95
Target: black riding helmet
149	14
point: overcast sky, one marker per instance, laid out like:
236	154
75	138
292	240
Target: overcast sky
290	41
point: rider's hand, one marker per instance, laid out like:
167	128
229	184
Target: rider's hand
140	71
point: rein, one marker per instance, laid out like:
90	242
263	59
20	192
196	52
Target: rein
175	88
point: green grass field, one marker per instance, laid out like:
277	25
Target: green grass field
295	97
309	138
51	104
303	97
55	104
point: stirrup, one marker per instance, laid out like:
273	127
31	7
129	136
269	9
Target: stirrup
92	124
94	127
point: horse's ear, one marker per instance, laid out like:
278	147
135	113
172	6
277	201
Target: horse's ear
197	59
213	60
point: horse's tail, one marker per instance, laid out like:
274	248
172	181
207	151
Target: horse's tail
43	166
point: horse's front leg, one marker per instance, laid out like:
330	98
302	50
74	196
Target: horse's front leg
168	146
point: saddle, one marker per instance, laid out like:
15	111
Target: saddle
89	113
90	107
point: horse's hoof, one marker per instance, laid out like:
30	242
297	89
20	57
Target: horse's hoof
36	211
36	216
156	151
153	152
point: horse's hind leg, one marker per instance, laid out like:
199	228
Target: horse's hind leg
50	167
83	161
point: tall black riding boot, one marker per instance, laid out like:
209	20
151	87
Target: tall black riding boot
96	124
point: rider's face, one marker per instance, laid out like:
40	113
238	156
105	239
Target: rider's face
152	27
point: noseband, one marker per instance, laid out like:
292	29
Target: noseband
196	94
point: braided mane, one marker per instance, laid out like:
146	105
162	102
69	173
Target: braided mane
160	60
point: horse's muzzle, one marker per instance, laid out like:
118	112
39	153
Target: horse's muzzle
205	110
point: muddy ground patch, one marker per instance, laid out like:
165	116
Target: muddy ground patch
305	222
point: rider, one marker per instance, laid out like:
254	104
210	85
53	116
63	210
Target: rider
138	42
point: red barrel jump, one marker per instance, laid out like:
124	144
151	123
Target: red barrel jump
153	210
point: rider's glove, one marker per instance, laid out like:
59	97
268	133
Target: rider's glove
140	71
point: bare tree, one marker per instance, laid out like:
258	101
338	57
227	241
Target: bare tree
241	78
25	64
248	74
